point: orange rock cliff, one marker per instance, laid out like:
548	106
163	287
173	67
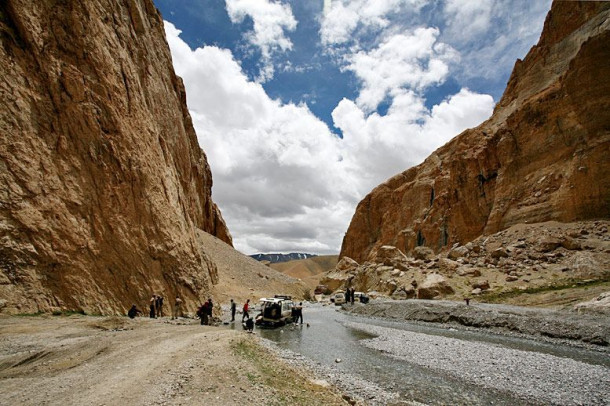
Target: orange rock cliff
543	155
103	184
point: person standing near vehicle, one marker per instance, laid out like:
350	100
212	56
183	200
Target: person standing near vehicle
298	313
233	309
245	310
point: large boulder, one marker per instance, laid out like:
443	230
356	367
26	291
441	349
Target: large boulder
346	264
389	256
433	286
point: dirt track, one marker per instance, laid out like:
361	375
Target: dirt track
81	360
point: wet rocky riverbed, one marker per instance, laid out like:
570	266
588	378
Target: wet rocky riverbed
382	362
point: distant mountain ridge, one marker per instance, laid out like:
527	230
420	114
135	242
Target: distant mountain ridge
275	258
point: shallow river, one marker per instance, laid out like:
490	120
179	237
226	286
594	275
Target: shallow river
328	338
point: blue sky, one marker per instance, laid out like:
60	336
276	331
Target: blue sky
303	106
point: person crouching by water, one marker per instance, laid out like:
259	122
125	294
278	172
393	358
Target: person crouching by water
133	312
249	325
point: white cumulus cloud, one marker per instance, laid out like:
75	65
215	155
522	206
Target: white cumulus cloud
271	20
405	60
343	17
282	179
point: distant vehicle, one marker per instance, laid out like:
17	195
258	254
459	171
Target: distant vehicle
275	311
338	298
361	296
321	290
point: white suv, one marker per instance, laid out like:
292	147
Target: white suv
339	298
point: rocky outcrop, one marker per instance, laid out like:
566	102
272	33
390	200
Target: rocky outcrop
524	258
542	156
103	184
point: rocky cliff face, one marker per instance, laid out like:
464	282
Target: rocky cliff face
542	156
102	183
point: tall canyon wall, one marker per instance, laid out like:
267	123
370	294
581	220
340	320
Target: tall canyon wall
102	182
543	155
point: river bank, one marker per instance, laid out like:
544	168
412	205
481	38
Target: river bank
85	360
573	327
73	360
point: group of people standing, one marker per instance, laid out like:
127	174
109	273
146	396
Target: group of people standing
156	306
205	312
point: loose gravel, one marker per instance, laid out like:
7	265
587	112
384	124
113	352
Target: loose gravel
532	376
359	390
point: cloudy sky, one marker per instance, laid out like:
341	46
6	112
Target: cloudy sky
304	106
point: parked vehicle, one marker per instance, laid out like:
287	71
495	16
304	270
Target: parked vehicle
275	311
361	296
338	298
321	290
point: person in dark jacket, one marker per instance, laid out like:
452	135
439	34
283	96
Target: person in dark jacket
249	325
203	313
152	307
159	306
133	312
298	313
210	308
233	310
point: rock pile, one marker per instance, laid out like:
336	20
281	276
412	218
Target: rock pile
521	257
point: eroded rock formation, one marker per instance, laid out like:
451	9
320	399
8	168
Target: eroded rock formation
523	258
102	182
542	156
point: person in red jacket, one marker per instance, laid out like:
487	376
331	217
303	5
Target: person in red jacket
245	309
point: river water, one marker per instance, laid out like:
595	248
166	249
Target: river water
327	338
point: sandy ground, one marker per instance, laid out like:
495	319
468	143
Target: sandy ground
83	360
